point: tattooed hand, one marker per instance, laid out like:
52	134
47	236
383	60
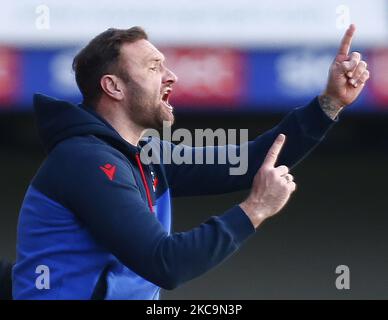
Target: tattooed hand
347	77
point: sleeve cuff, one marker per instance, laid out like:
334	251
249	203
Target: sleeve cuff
314	121
238	224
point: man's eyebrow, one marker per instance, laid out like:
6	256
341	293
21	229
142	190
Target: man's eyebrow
157	59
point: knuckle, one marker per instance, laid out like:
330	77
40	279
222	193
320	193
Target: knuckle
353	64
357	55
360	68
345	64
363	63
283	168
364	77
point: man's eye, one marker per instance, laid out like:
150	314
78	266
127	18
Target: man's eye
153	68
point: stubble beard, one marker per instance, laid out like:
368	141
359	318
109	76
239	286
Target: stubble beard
146	111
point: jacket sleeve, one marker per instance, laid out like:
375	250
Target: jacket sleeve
119	218
305	127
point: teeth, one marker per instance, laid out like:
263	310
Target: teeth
165	100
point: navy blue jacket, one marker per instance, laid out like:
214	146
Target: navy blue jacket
100	221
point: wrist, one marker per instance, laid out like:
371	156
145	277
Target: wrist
254	212
331	106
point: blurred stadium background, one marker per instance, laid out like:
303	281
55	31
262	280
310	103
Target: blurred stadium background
241	64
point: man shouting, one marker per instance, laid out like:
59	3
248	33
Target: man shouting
96	220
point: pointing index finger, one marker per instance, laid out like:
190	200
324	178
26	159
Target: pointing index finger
274	151
347	41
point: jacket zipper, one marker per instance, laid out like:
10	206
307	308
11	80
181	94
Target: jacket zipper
148	193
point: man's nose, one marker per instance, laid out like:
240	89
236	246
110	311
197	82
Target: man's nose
170	76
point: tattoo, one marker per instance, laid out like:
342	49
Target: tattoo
329	107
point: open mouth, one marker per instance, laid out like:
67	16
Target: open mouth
165	97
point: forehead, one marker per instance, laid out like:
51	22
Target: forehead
141	51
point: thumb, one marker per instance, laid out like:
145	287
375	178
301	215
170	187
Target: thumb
348	65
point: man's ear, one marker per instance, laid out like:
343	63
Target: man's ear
112	86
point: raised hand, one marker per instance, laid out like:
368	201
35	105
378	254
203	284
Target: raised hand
271	187
347	76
